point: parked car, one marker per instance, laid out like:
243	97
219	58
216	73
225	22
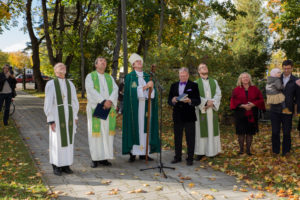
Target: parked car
29	78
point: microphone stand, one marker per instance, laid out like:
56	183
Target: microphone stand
160	165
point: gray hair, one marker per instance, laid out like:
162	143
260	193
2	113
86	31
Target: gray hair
57	65
184	69
96	61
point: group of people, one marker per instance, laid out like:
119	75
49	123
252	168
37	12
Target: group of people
195	110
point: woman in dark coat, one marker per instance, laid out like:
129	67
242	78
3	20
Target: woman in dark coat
246	99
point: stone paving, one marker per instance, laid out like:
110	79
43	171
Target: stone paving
125	176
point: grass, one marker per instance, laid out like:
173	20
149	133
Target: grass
19	178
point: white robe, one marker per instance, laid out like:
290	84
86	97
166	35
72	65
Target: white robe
101	148
211	145
60	156
142	96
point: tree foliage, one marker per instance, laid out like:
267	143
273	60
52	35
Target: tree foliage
285	15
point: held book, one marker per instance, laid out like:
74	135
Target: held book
182	97
100	112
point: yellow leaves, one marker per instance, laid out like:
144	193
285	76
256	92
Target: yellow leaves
214	190
235	188
212	178
146	185
191	185
243	190
114	191
208	196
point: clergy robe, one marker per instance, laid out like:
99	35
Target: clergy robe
101	145
135	116
207	141
61	154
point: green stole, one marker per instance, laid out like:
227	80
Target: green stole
96	122
203	116
61	113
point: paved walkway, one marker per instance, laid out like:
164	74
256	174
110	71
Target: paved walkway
88	183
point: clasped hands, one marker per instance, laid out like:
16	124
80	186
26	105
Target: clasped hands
209	104
247	106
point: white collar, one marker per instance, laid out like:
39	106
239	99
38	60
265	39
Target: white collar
139	74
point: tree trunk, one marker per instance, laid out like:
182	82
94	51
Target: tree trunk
35	50
59	55
161	22
47	35
82	53
125	62
68	62
118	44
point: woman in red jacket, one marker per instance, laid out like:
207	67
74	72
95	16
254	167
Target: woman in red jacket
246	99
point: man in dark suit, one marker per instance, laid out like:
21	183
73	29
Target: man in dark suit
184	116
291	93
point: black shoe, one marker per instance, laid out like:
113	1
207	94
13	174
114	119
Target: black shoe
104	162
199	157
144	158
132	158
175	161
94	164
241	152
249	153
57	170
189	162
67	170
5	123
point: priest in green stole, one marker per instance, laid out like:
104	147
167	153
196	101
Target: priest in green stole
207	141
61	107
137	84
101	87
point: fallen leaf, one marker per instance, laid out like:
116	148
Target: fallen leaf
212	178
146	185
243	190
159	188
209	196
214	190
191	185
90	193
106	182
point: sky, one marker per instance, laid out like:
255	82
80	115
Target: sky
14	39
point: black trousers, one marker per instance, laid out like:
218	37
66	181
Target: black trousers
189	128
286	120
7	99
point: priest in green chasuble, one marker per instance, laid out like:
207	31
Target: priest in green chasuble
61	107
136	90
101	87
207	141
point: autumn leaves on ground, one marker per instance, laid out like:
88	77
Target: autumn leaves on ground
262	171
19	179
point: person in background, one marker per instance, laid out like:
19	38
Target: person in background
245	100
7	91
